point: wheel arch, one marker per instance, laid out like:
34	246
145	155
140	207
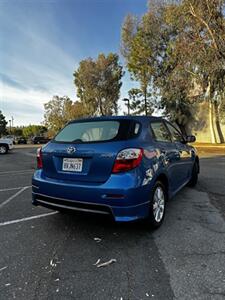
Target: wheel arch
198	164
5	145
162	177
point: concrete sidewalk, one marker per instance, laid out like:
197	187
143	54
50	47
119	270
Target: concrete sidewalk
27	146
208	145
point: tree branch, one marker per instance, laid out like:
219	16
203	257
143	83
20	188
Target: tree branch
206	25
192	73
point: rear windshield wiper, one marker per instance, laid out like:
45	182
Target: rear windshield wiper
77	141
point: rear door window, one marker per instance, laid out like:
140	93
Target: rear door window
160	132
176	135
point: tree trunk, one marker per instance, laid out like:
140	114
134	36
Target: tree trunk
100	107
115	108
217	123
211	125
145	99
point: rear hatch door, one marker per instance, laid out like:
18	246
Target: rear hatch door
86	151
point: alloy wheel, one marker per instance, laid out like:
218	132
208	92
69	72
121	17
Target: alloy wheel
2	149
158	204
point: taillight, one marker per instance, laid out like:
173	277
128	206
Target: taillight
39	159
127	159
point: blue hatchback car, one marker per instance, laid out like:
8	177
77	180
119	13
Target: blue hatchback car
126	167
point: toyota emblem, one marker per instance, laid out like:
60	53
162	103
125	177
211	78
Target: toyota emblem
71	150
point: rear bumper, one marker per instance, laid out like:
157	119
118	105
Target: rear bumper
118	198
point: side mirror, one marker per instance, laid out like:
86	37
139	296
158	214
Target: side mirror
189	139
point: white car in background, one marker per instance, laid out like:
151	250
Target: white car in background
5	145
11	137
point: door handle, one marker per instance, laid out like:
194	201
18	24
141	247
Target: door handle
177	153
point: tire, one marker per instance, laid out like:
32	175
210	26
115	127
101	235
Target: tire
157	205
3	149
194	175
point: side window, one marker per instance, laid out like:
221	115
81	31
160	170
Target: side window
136	128
176	135
161	133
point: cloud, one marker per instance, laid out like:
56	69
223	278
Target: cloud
4	79
33	69
26	106
41	44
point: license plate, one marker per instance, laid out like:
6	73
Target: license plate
72	164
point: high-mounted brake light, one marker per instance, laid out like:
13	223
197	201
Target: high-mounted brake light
39	159
127	159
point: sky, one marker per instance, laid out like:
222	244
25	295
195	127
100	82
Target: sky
42	42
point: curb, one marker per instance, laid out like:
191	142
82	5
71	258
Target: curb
217	146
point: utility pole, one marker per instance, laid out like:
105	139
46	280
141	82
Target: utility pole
12	121
127	101
10	125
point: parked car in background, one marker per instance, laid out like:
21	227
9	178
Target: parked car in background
40	140
21	140
12	138
126	167
5	145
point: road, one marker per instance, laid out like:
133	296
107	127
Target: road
48	255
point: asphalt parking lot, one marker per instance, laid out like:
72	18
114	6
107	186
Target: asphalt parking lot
50	255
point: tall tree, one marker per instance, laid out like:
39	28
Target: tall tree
59	111
138	49
209	21
33	130
98	84
17	131
137	101
3	124
200	49
180	45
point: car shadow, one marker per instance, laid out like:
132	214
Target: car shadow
100	225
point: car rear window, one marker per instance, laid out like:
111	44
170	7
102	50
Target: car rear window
89	132
98	131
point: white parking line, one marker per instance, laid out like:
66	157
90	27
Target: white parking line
28	218
15	188
30	154
13	196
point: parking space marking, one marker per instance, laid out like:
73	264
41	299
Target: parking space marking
14	196
15	188
28	218
15	172
30	154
